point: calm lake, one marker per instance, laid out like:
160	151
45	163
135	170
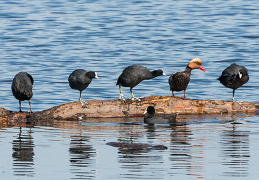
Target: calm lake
50	39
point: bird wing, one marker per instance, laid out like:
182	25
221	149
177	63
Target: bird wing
31	78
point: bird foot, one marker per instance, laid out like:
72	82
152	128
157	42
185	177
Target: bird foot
238	102
122	97
135	98
82	103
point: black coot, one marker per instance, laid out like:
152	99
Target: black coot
158	119
80	79
179	81
234	77
22	87
132	75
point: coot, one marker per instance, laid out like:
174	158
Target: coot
132	75
234	77
158	119
80	79
179	81
22	87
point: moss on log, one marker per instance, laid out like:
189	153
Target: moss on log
129	108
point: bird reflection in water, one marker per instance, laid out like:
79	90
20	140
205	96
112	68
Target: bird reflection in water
235	151
23	153
81	156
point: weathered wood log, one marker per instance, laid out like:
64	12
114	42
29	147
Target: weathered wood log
129	108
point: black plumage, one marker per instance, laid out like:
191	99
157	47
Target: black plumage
179	81
133	75
22	87
234	77
151	118
80	79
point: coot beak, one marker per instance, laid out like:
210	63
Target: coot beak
163	73
96	76
202	68
240	75
145	112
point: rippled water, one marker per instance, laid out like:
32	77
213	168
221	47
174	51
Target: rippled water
50	39
220	147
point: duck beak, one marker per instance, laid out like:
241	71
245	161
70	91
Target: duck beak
202	68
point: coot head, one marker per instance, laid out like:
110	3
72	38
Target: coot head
150	111
158	72
92	74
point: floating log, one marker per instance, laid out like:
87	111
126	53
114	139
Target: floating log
129	108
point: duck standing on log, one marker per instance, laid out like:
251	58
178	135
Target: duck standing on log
132	75
80	79
234	77
179	81
22	87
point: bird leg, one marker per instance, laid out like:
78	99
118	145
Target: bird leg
233	94
30	106
184	94
20	104
239	102
133	98
80	100
122	97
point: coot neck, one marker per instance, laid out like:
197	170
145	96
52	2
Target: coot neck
151	75
150	115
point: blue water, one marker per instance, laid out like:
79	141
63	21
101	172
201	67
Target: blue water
50	39
220	147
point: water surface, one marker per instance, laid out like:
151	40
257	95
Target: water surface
211	147
50	39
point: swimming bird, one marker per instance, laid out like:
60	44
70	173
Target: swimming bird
80	79
132	75
158	119
22	87
234	77
179	81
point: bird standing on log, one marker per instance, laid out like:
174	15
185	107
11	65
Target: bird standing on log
22	87
132	75
179	81
234	77
80	79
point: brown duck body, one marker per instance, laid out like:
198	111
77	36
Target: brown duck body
179	81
